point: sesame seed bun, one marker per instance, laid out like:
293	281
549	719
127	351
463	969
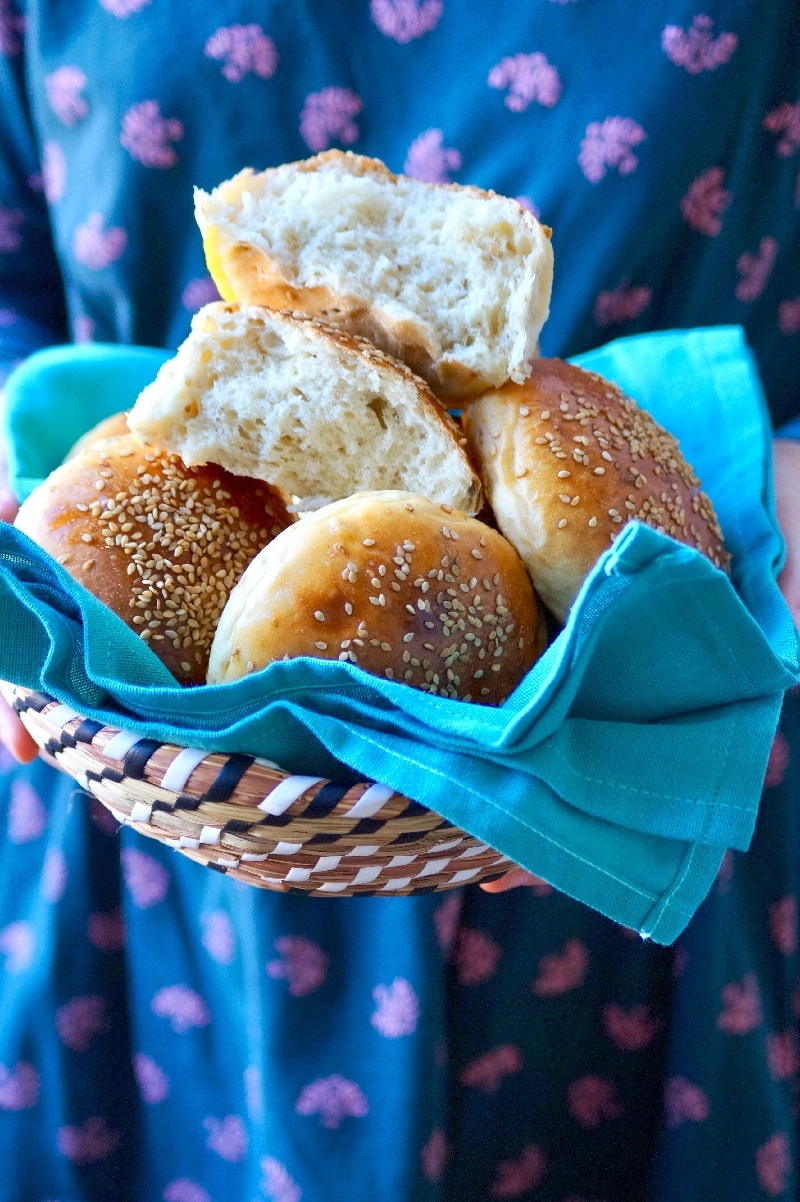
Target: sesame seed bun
403	587
159	543
109	427
566	459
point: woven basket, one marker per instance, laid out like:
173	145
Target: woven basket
243	816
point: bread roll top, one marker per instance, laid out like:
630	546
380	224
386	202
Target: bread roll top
160	544
405	588
567	460
453	280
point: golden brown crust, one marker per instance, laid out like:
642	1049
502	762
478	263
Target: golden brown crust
160	544
566	460
405	588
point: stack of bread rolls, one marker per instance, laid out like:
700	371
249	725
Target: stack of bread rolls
293	484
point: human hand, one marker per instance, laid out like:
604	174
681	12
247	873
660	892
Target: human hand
511	880
786	468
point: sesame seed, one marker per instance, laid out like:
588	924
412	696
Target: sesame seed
562	523
319	615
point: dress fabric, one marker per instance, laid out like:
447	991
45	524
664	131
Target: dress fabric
166	1033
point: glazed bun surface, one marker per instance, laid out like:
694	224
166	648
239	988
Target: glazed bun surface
566	460
160	544
282	398
403	587
453	280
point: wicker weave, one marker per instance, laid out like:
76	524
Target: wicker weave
243	816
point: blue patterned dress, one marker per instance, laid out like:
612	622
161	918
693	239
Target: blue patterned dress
168	1034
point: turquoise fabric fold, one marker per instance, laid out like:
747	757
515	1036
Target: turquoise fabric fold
626	763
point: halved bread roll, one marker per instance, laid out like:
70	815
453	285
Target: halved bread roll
453	280
282	398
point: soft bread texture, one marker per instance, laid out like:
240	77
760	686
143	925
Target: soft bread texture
282	398
452	280
403	587
566	460
160	544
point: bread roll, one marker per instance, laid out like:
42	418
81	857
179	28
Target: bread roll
159	543
566	460
285	399
401	586
452	280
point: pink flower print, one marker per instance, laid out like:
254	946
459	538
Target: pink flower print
476	956
783	1054
218	937
54	172
684	1102
106	930
624	303
515	1177
227	1137
592	1101
429	161
147	881
199	292
705	202
445	920
754	270
10	238
327	116
276	1183
16	944
27	817
773	1164
562	971
95	247
92	1141
434	1155
304	964
12	26
153	1082
147	136
487	1071
398	1009
80	1020
783	925
123	8
527	77
83	332
697	49
789	315
63	90
184	1190
19	1089
608	144
183	1007
244	49
54	875
632	1029
334	1099
741	1007
778	760
403	20
785	120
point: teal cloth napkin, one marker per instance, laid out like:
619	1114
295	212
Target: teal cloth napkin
627	762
